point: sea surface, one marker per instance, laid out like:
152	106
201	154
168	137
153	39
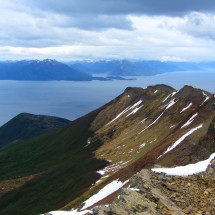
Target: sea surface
71	100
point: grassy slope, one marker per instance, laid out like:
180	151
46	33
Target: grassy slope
67	169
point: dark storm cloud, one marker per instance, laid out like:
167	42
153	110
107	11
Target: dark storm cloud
117	7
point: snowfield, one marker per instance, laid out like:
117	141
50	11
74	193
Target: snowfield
189	169
104	192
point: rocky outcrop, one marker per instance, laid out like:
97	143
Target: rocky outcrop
150	193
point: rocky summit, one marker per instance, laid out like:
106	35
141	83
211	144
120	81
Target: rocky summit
128	143
161	194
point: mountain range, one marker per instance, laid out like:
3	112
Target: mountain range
136	68
36	70
66	168
47	70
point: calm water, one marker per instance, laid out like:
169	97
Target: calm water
74	99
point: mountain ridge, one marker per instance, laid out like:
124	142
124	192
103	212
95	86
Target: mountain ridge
138	129
26	125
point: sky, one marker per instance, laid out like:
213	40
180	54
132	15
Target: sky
68	30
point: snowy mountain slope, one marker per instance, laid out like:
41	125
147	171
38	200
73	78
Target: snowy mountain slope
139	129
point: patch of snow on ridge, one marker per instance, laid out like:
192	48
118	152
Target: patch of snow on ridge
113	168
136	104
166	98
189	169
205	95
120	114
73	212
134	111
186	107
176	143
171	103
155	91
104	192
134	189
125	111
153	122
173	93
189	121
142	121
142	145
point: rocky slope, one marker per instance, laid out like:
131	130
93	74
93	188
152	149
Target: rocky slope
137	130
160	194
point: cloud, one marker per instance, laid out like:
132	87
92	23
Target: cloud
125	7
172	58
199	25
107	29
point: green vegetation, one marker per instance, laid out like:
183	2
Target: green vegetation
66	168
60	166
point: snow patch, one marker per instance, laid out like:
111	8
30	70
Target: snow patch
113	168
153	122
186	107
189	169
134	189
189	121
155	91
134	111
142	145
205	95
173	93
171	103
126	110
181	139
104	192
166	98
120	114
142	121
130	151
73	212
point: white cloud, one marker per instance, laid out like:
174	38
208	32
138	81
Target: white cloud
199	25
31	32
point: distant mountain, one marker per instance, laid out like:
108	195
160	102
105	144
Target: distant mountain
27	125
36	70
132	68
84	163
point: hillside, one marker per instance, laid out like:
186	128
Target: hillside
141	128
27	125
36	70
